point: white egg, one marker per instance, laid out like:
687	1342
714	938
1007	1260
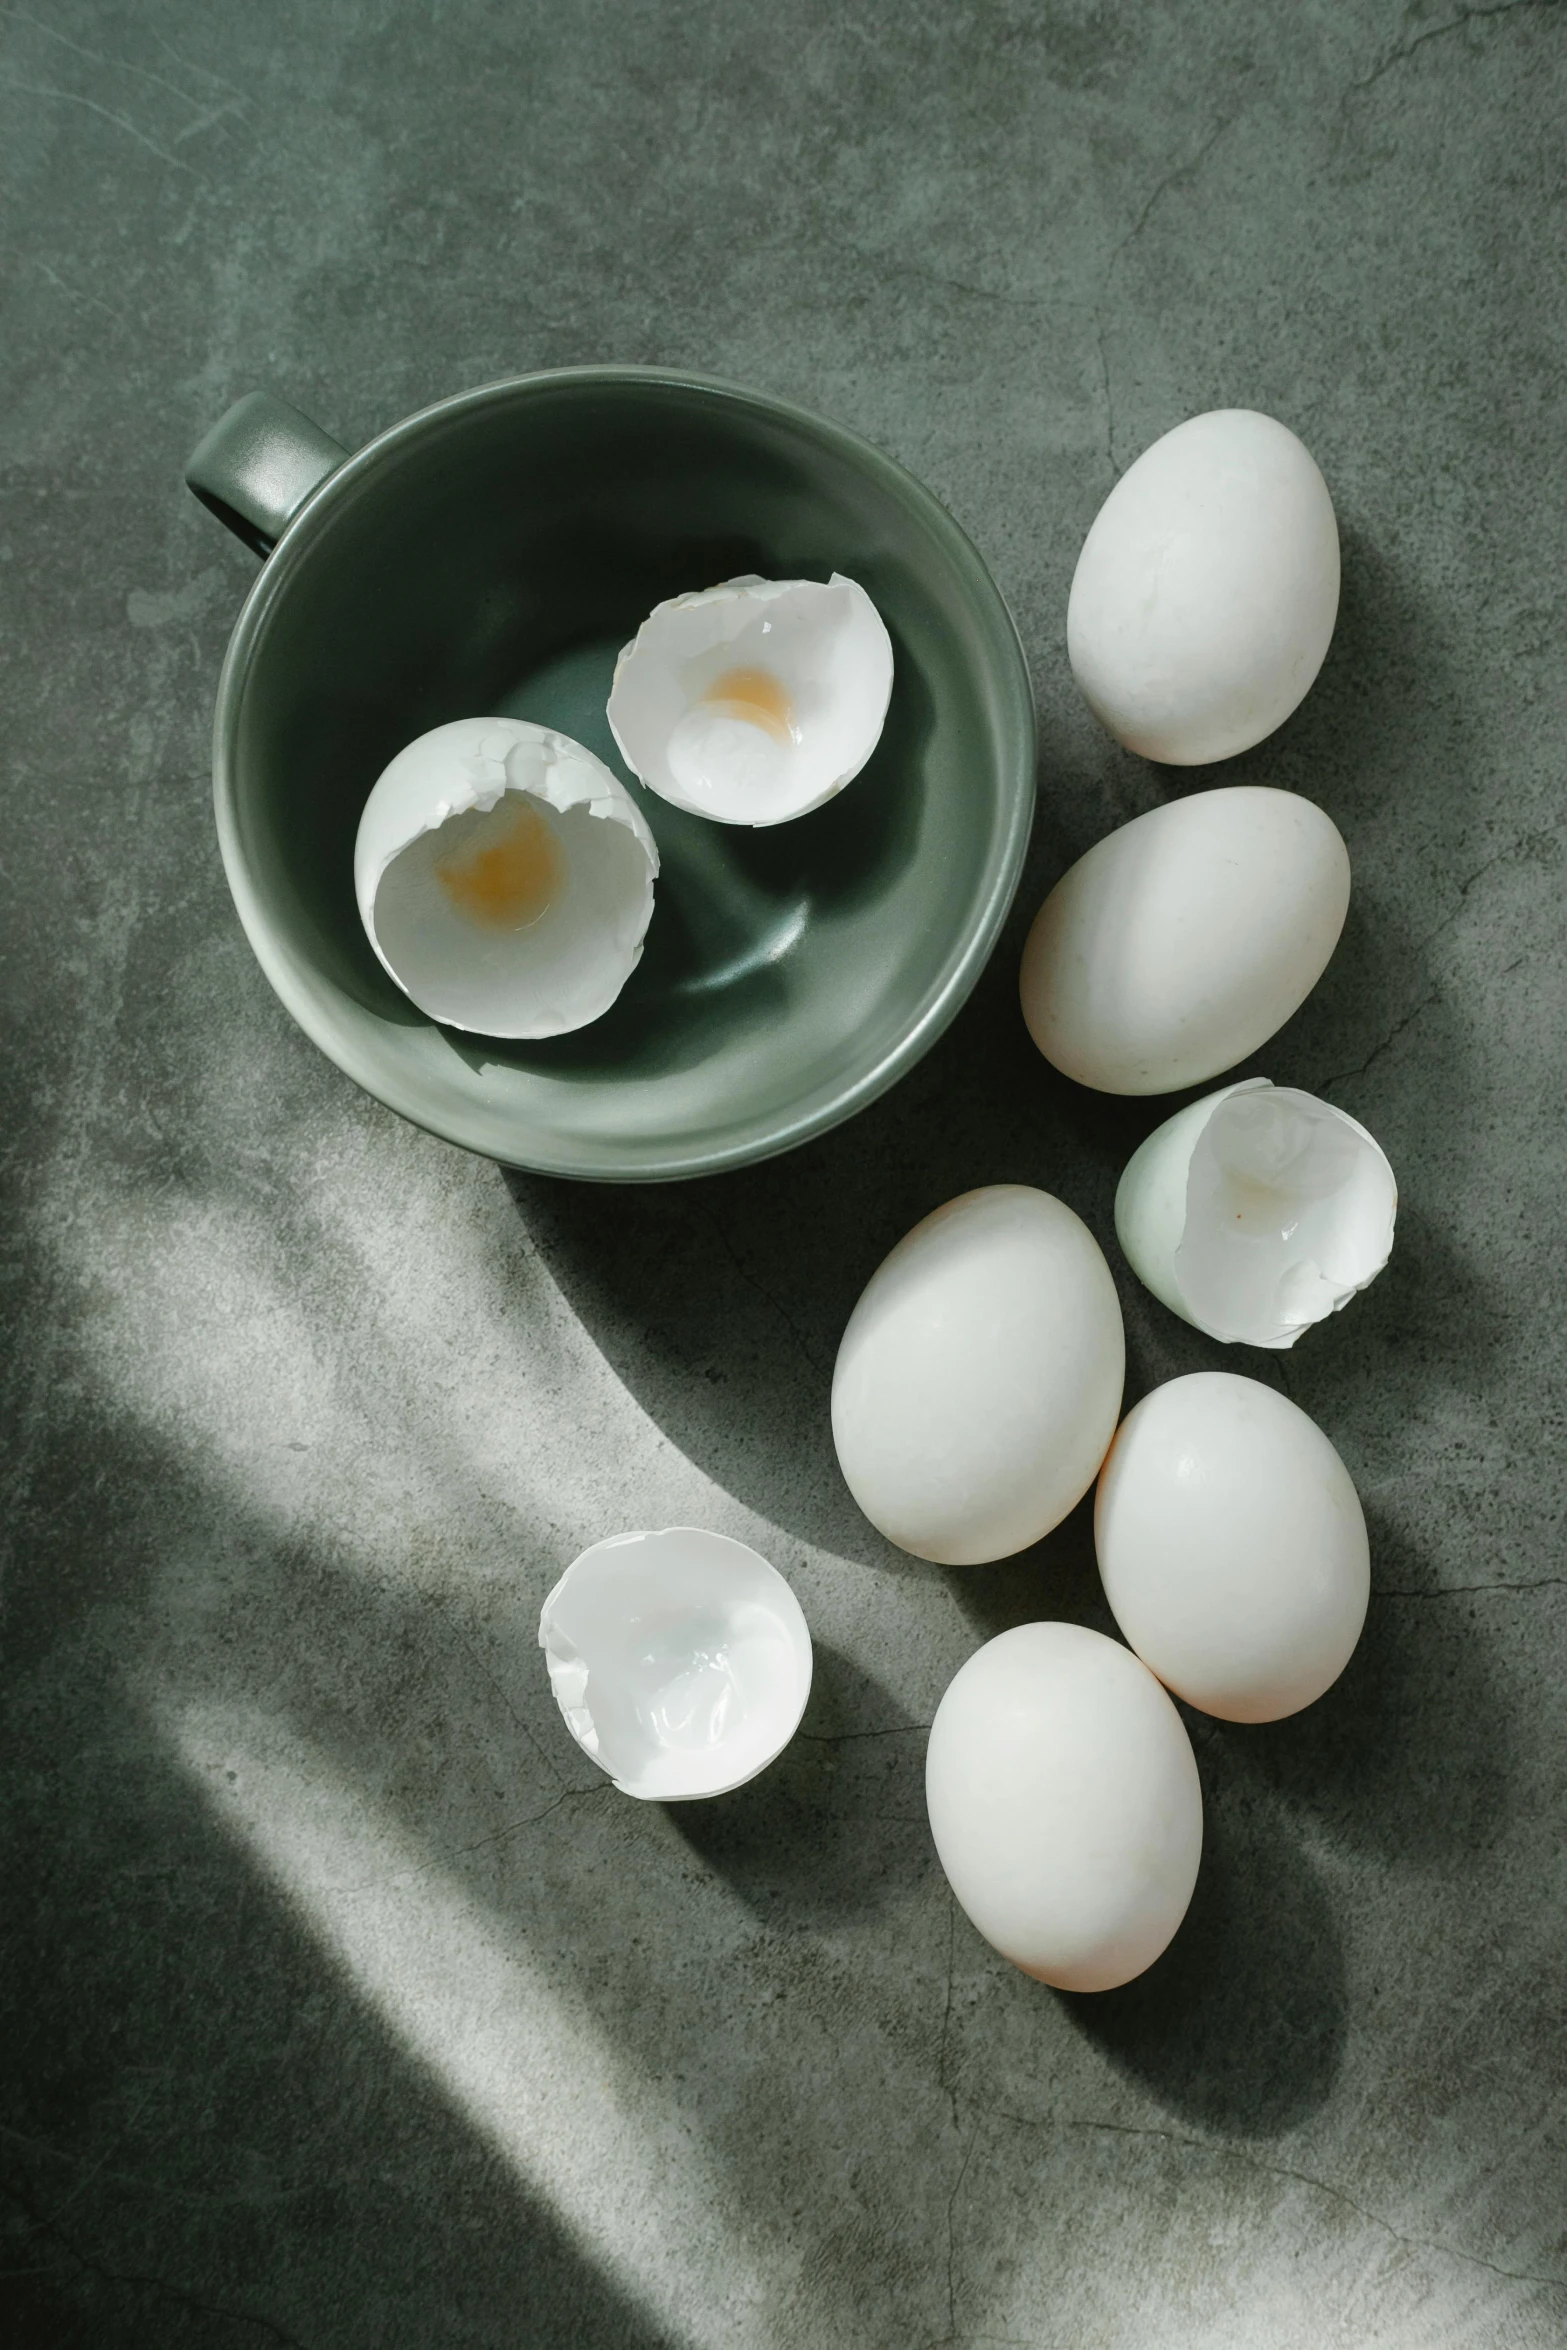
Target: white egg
1206	592
505	878
1232	1547
1065	1805
979	1379
680	1661
1256	1212
756	701
1181	942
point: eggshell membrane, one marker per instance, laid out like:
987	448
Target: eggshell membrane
978	1381
681	1661
1205	596
563	970
1065	1805
827	646
1232	1547
1257	1212
1179	944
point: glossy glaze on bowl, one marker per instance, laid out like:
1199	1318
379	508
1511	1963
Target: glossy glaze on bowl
490	557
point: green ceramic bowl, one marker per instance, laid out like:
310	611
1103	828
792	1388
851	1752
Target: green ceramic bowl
491	556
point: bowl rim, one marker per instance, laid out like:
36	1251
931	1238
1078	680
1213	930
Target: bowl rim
316	1004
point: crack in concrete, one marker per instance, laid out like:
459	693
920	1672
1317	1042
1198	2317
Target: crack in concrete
1342	1076
946	2014
515	1827
949	2340
74	98
1181	171
188	65
1284	2170
548	1760
952	2245
1460	1590
1172	178
850	1737
1514	848
109	64
1109	399
1439	32
922	270
73	294
450	1852
749	1278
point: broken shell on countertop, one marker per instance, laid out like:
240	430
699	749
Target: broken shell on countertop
681	1661
505	878
754	702
1256	1212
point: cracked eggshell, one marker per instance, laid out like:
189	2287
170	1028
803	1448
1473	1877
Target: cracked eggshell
1204	599
1178	945
1232	1547
978	1382
754	702
1065	1805
504	878
1256	1212
681	1661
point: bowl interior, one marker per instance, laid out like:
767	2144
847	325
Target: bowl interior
491	558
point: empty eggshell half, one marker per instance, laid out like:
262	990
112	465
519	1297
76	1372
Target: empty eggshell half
505	878
1178	944
1232	1547
1256	1212
756	701
1065	1804
681	1661
1205	595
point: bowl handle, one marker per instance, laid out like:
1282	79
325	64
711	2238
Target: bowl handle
258	465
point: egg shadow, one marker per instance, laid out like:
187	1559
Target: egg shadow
1370	708
1411	1755
836	1825
1240	2026
1053	1581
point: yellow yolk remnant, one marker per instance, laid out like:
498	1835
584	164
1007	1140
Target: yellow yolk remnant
757	697
515	877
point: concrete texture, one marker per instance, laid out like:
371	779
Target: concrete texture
343	2004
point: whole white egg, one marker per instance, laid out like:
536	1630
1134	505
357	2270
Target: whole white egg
1205	595
1065	1805
978	1382
1232	1546
1180	943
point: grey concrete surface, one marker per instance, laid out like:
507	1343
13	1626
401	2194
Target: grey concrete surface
343	2005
